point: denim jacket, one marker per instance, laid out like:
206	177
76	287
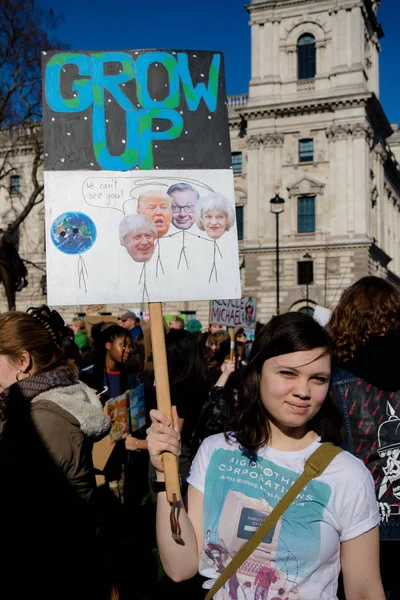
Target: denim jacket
372	425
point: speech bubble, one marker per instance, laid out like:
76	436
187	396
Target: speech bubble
164	182
105	192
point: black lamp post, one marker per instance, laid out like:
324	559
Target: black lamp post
307	256
277	207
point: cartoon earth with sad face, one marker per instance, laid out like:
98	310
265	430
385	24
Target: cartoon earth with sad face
73	232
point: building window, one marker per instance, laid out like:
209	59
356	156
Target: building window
306	150
239	221
306	214
305	272
306	57
14	185
237	163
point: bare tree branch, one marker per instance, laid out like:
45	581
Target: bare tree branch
24	33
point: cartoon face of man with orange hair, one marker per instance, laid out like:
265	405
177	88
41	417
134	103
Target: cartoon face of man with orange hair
157	206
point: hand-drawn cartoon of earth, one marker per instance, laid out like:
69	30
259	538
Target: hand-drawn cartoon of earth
73	232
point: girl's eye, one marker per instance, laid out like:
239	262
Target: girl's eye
286	373
321	379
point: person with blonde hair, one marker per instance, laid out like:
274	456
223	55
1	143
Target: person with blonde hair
157	206
215	214
365	326
81	339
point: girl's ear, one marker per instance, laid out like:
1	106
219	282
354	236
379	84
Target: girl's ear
25	361
108	345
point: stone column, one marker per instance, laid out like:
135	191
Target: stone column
376	47
255	51
267	223
253	167
338	180
331	217
350	185
334	44
361	202
275	49
357	36
267	57
379	157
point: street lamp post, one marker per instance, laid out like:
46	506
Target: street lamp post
307	256
277	207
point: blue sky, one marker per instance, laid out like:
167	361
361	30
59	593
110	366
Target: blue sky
199	25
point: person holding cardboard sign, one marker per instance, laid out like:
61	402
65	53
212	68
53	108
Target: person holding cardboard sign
284	418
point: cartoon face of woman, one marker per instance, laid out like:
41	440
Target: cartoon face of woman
215	215
214	223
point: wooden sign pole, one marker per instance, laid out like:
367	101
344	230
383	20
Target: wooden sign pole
170	462
232	352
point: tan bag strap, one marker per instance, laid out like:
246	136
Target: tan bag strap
314	466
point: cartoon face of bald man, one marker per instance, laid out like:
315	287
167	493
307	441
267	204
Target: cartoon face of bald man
157	206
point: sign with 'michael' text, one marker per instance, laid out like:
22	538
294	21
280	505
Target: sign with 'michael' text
234	313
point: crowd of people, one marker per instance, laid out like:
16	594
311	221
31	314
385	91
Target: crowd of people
242	427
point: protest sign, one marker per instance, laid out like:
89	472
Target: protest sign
137	413
139	192
138	181
234	313
126	412
117	410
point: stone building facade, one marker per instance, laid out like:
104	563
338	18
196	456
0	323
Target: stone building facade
311	124
18	179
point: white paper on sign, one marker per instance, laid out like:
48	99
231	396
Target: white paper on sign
131	252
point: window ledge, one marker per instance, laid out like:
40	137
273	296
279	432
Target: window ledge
305	84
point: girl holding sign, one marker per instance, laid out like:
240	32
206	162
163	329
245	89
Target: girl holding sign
284	413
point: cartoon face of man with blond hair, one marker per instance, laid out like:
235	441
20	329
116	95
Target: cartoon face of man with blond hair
157	206
137	233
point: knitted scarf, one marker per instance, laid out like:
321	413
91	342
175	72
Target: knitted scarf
30	387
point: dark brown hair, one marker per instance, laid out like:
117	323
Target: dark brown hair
222	342
22	332
291	332
369	307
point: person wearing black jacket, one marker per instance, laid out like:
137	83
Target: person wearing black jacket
366	329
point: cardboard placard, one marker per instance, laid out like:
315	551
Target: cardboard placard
234	313
138	182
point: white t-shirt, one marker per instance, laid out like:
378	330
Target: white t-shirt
300	558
